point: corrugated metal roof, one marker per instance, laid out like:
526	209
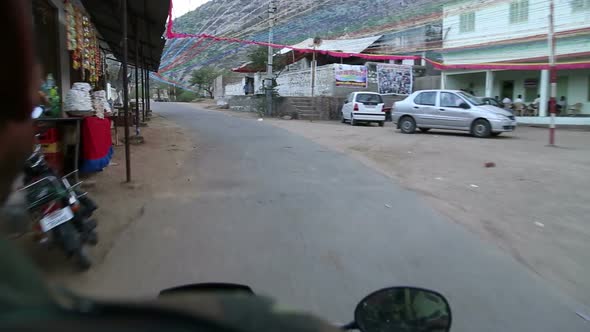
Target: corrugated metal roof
150	17
339	45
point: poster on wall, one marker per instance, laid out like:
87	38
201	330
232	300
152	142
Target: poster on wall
394	79
351	76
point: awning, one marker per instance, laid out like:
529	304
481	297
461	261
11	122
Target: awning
148	16
336	45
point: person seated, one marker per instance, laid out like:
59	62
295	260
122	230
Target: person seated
507	103
518	99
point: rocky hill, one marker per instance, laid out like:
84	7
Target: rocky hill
296	20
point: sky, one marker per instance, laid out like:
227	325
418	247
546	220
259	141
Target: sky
183	6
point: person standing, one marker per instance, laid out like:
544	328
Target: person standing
561	105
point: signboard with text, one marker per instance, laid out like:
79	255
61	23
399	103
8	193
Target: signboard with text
351	76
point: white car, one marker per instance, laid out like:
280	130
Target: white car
363	107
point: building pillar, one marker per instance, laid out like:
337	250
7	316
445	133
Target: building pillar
544	92
489	84
443	80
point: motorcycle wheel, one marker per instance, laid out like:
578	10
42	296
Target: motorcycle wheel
83	260
92	238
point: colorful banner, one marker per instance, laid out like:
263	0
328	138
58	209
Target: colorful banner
394	79
351	76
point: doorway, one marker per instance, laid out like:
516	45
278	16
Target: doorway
249	86
507	90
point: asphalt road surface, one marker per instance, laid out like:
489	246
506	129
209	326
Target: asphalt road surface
317	230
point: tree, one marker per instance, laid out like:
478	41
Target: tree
204	77
259	58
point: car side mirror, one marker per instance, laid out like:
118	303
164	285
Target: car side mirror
346	101
464	106
403	309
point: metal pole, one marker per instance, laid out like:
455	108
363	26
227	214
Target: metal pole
269	79
147	85
143	87
136	79
553	72
147	91
313	66
126	91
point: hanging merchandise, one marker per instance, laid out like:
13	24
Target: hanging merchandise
71	25
83	42
78	101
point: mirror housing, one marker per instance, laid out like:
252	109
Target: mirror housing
220	288
464	106
403	309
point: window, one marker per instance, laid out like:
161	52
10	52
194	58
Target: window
578	5
467	22
588	88
369	98
448	99
519	11
426	98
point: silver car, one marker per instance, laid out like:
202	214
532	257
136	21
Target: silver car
451	109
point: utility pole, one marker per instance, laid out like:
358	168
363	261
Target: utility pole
552	73
272	8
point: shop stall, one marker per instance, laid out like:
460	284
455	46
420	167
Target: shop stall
75	127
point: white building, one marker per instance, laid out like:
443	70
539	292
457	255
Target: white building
515	31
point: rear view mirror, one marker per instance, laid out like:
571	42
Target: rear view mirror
403	309
464	106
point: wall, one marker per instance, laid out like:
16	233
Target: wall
537	49
299	83
576	90
492	21
64	56
426	83
471	82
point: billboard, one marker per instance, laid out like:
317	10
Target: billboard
394	79
351	76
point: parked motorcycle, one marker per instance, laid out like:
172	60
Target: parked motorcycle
61	213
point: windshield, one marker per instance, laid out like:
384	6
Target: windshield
369	98
471	99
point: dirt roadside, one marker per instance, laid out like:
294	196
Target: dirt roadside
155	167
533	203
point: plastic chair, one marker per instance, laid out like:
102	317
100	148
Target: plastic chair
575	109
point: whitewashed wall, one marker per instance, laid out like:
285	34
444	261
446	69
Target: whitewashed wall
492	21
298	83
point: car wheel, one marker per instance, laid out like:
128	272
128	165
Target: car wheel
424	130
496	134
407	125
481	128
353	122
381	123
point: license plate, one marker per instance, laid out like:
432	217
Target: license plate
370	106
56	218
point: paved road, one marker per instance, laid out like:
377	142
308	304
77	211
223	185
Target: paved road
317	230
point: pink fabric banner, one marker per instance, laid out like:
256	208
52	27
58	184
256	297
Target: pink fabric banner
170	34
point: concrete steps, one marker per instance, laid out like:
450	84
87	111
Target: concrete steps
305	108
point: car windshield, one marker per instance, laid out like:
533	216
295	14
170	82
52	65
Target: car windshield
471	99
368	98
